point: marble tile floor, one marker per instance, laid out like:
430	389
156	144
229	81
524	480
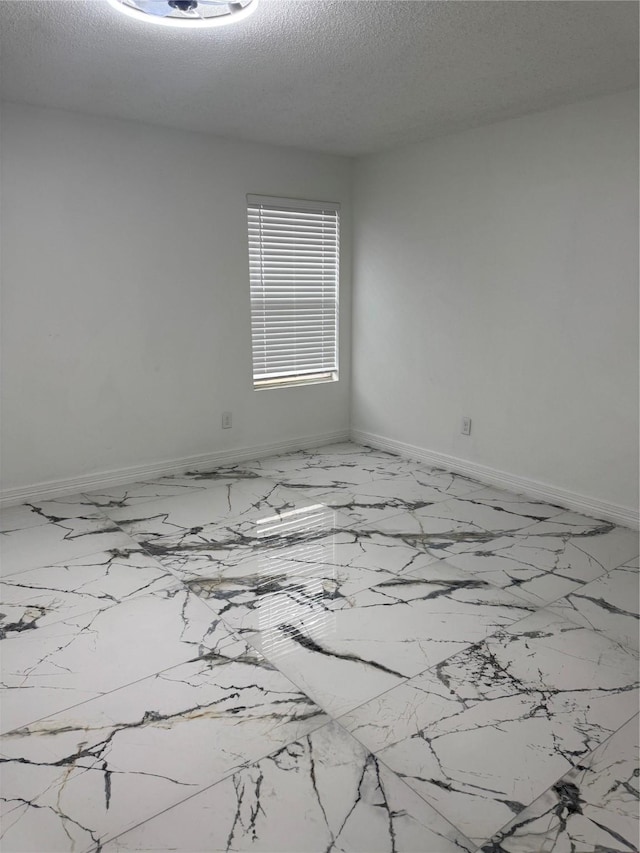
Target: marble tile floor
329	650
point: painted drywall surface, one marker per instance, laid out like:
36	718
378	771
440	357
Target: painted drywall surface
496	276
126	327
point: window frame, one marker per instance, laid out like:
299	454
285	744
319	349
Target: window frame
296	205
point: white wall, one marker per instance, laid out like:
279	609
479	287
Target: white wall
496	276
126	329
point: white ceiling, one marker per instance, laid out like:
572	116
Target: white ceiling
348	77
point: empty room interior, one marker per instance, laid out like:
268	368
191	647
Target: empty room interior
319	414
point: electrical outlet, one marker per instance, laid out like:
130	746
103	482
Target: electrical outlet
466	426
226	420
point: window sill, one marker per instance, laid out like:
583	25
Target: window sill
295	381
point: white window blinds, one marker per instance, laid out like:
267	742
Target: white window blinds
294	250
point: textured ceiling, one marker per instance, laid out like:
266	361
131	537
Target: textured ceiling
349	77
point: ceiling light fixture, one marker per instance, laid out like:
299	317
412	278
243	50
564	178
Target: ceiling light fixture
194	14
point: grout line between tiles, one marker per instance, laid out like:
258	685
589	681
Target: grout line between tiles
573	769
228	774
194	660
406	785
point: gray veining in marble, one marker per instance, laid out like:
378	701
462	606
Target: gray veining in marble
74	779
325	792
47	544
29	600
592	808
346	651
484	733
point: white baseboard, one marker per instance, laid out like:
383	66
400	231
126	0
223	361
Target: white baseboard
584	504
135	473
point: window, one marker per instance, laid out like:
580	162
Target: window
293	262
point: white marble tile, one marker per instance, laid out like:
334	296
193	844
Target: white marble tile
467	519
321	793
539	569
609	544
86	774
39	597
421	487
198	547
281	463
448	522
303	534
332	477
359	647
352	549
145	491
593	809
404	712
254	583
278	464
333	466
46	544
484	733
67	507
251	598
513	504
289	570
374	500
353	448
80	657
199	510
232	472
19	517
351	503
610	605
262	592
541	562
445	481
397	533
